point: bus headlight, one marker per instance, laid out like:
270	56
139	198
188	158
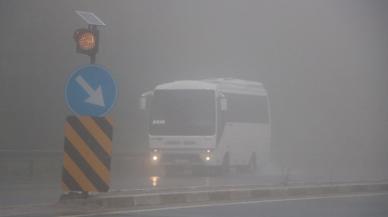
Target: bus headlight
155	156
207	155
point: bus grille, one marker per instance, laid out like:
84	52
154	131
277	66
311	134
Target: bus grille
177	142
177	157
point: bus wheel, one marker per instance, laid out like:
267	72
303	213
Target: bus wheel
252	165
225	167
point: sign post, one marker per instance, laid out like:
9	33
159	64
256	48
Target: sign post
90	93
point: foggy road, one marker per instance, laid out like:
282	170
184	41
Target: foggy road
137	180
48	193
18	194
300	86
372	205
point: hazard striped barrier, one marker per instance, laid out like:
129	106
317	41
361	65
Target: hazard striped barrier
87	154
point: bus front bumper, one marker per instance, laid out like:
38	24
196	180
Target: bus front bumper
176	158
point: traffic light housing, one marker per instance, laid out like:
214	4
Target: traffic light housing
86	40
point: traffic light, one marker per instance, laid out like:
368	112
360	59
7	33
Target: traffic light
87	41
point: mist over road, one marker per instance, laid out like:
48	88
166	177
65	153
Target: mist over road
323	63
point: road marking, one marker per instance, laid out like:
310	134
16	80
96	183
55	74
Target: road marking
224	204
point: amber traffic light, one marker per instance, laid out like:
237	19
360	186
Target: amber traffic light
86	41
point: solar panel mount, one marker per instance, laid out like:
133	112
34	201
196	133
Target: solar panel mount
90	18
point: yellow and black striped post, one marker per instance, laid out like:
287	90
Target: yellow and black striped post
87	154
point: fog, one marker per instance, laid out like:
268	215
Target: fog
324	64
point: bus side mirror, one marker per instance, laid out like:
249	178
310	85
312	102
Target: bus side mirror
143	102
224	104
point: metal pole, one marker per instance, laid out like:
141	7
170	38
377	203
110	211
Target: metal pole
93	28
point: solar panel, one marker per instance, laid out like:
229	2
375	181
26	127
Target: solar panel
90	18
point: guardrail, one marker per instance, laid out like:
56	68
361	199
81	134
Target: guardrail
117	201
37	166
46	166
24	166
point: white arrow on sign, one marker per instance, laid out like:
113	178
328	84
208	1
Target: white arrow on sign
95	96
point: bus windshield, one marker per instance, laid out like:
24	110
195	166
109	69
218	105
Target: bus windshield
182	112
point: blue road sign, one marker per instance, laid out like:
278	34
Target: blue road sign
90	91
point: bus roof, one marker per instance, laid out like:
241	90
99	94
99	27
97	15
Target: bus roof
186	84
225	85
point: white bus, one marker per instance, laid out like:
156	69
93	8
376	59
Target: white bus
215	122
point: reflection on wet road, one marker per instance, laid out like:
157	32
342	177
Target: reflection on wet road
186	180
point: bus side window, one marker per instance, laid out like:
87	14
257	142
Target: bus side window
145	99
247	109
